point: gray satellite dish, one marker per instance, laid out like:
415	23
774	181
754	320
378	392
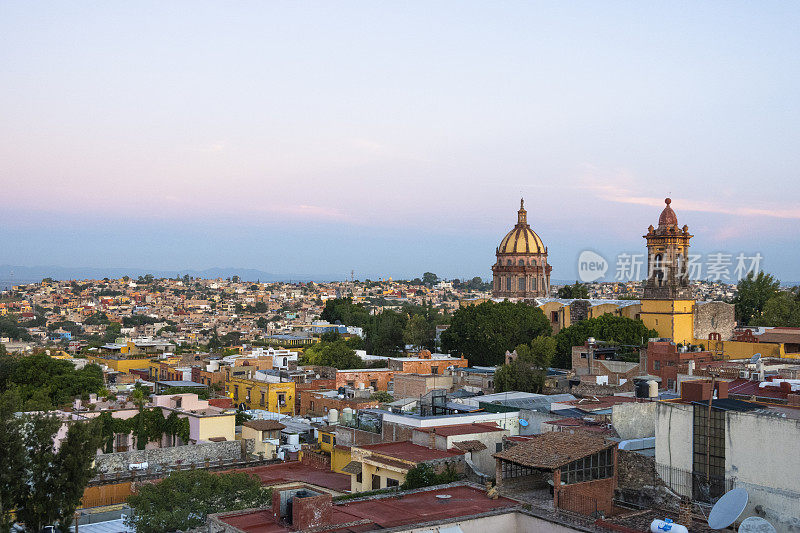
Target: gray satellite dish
727	509
756	524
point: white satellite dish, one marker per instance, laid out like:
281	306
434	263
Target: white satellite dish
756	524
728	508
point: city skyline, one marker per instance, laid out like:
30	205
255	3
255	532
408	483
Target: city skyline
392	140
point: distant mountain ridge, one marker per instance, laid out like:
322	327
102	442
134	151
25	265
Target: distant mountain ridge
25	274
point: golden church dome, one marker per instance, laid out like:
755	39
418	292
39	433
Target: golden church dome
521	239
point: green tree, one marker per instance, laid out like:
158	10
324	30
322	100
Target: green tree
578	291
424	475
752	294
430	279
183	500
610	328
782	310
344	311
53	481
483	333
381	396
12	467
43	382
519	376
417	332
337	354
385	333
540	352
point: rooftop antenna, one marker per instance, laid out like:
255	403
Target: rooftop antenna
728	508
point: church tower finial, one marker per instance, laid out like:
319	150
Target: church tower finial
522	215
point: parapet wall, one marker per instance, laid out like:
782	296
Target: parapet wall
176	455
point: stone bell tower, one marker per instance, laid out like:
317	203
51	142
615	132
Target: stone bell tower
667	303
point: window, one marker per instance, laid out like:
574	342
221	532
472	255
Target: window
713	430
521	262
351	384
498	447
522	284
596	466
583	355
359	477
376	482
533	284
656	365
434	370
374	384
392	482
508	284
282	399
262	397
326	438
553	314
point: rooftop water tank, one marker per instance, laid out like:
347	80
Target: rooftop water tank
652	388
333	416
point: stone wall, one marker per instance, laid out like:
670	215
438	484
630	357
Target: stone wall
634	420
578	310
714	317
192	453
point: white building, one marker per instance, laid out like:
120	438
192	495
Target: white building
753	446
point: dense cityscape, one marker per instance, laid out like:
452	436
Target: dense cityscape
452	267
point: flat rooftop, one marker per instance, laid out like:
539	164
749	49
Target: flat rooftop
296	471
386	512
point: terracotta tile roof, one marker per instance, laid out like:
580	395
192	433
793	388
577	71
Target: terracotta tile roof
264	425
353	467
554	449
470	445
385	461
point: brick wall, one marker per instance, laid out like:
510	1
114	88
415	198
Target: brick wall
415	385
311	511
587	496
380	378
320	405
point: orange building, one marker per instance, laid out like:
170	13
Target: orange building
361	378
426	363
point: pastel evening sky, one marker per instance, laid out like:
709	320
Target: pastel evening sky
393	137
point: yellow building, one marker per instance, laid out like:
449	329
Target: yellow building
380	466
563	312
253	394
266	436
120	364
672	319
